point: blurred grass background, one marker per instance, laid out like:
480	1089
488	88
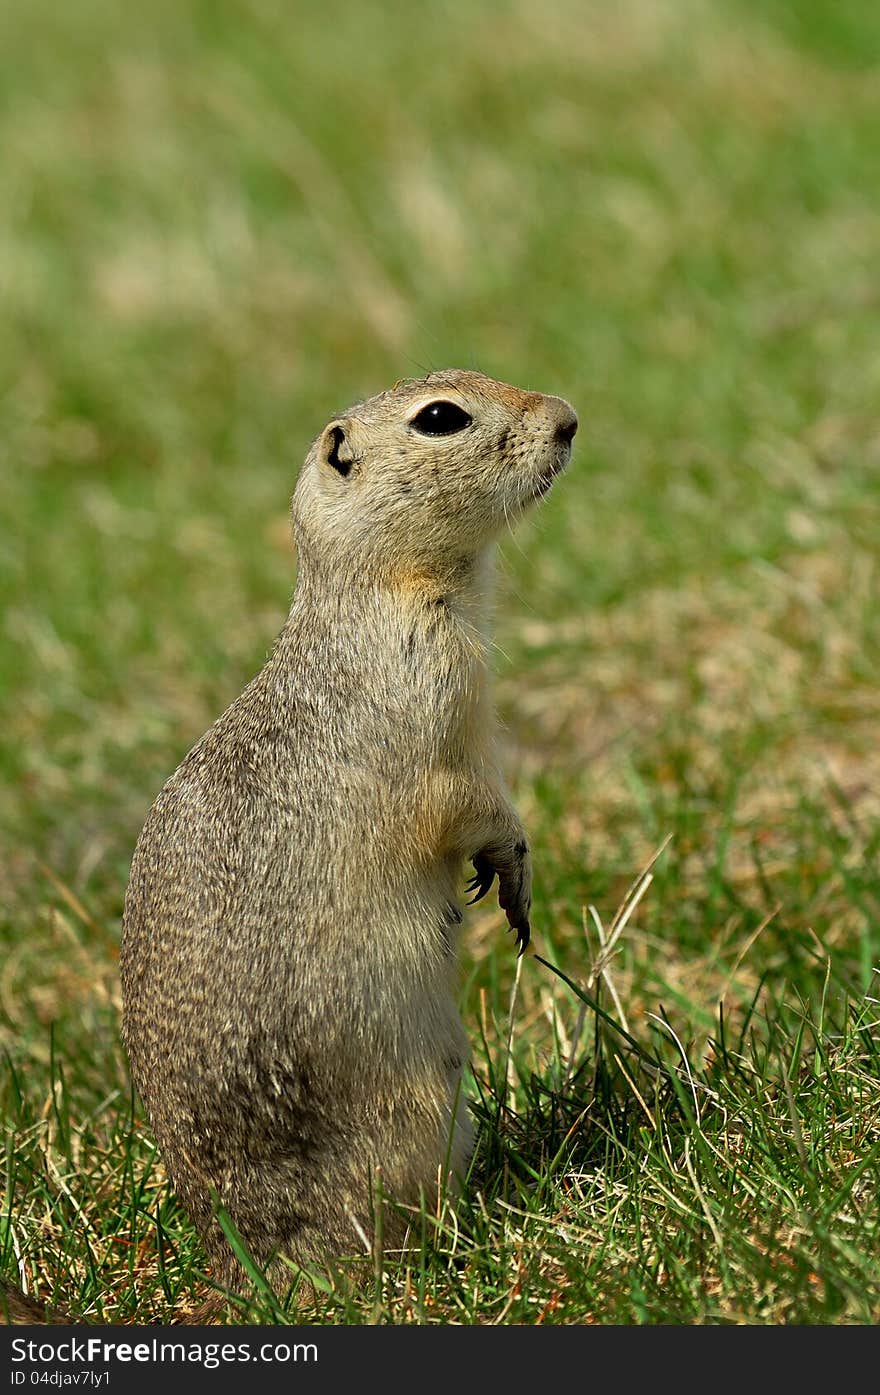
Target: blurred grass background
220	223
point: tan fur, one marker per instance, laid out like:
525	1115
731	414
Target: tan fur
289	950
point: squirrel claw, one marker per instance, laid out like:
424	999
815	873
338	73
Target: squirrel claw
480	894
482	880
523	935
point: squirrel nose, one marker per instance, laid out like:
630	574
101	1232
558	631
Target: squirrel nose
566	428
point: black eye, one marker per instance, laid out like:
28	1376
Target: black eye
440	419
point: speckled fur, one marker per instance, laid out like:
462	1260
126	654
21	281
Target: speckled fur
289	949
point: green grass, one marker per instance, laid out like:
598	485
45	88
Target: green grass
218	227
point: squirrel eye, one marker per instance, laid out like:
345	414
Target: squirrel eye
440	419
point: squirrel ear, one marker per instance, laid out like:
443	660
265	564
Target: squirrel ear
334	448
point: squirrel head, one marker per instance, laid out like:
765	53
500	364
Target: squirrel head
425	476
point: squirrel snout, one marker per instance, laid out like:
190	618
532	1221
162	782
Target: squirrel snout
560	417
566	429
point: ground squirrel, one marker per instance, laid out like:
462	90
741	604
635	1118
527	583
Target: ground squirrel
288	957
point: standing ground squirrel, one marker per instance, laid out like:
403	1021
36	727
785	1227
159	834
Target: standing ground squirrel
288	957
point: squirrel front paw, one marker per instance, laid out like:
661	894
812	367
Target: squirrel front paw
482	881
513	868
